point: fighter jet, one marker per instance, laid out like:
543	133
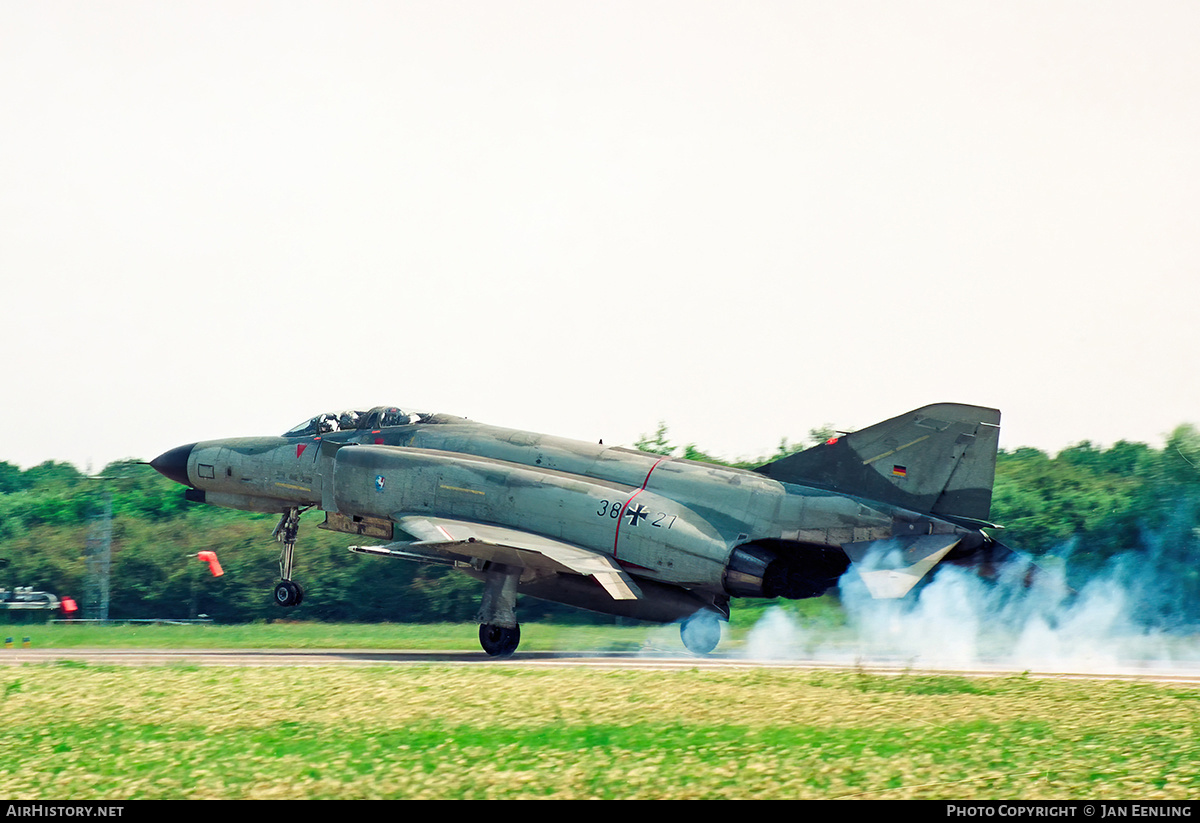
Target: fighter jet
612	529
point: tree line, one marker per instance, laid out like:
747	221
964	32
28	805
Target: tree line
1129	507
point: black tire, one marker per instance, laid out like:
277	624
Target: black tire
701	632
499	641
288	594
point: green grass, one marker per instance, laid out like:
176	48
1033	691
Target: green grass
285	634
311	635
78	731
499	731
420	637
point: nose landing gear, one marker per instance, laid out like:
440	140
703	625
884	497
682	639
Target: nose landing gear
288	592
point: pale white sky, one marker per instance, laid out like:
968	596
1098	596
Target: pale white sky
746	219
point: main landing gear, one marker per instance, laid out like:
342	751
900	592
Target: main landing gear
499	641
288	592
499	633
701	632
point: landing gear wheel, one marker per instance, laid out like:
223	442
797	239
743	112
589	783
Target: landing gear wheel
701	632
499	641
288	593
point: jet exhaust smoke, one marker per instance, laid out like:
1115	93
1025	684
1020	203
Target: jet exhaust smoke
1124	618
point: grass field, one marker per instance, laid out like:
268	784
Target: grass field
285	635
74	731
536	636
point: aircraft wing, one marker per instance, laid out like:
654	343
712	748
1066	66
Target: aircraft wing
511	547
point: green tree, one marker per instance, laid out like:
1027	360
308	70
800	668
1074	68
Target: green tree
52	475
11	478
658	444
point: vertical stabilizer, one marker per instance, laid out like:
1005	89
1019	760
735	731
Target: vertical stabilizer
938	460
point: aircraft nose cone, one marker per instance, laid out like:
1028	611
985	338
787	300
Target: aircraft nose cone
173	463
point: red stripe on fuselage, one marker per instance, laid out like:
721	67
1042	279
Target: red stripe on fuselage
617	536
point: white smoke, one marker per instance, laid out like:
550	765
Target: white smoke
776	637
961	621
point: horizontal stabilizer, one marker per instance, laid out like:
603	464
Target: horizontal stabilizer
890	568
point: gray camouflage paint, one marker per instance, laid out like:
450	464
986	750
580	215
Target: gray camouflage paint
686	535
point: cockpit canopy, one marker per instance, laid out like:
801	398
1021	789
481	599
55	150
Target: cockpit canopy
350	419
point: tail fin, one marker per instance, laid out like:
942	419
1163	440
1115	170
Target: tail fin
938	460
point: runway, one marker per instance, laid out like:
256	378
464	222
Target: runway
595	660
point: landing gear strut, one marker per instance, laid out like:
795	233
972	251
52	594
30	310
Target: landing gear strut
499	633
288	593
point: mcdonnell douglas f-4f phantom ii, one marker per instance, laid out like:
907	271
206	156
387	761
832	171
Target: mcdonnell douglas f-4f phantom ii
616	530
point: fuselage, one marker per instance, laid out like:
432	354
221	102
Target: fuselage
677	522
617	530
